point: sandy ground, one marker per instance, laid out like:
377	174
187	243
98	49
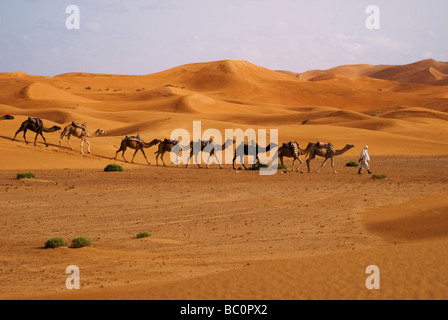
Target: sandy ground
225	234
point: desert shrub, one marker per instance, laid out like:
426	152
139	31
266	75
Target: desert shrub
113	167
27	175
143	235
89	88
55	242
379	176
282	166
258	166
306	121
352	164
81	242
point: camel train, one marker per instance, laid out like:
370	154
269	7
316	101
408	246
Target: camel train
287	150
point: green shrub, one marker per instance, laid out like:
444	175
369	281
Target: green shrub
306	121
113	167
81	242
143	235
55	242
379	176
352	164
258	166
27	175
282	166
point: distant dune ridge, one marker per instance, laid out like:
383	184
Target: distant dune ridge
429	72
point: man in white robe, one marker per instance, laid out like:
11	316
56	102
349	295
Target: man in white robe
364	160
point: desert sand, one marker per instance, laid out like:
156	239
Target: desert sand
228	234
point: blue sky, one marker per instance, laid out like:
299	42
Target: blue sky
147	36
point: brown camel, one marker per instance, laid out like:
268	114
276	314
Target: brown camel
165	146
7	117
209	145
79	132
287	150
244	149
36	126
326	151
135	143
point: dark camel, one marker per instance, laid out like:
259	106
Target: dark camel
208	145
7	117
326	151
165	146
32	125
287	151
137	144
245	149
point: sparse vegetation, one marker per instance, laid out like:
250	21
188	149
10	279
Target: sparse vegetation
81	242
27	175
113	168
379	176
89	88
282	166
54	243
352	164
143	235
306	121
258	166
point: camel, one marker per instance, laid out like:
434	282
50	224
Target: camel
244	149
326	151
166	146
37	127
209	145
287	151
135	143
79	132
7	117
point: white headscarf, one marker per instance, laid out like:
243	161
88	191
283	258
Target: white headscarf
364	155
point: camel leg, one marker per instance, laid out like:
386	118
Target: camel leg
161	157
88	146
332	164
122	154
35	139
70	144
13	139
301	162
136	150
157	158
82	145
217	160
308	165
60	141
145	156
323	163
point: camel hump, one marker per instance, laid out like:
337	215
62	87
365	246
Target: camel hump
79	126
134	138
36	121
168	141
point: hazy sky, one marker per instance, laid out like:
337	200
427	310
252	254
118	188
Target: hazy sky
147	36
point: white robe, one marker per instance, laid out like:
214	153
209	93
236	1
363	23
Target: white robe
364	159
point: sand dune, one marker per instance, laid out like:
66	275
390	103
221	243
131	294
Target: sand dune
428	72
225	234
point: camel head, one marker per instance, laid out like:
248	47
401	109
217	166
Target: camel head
8	117
100	132
349	146
56	128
